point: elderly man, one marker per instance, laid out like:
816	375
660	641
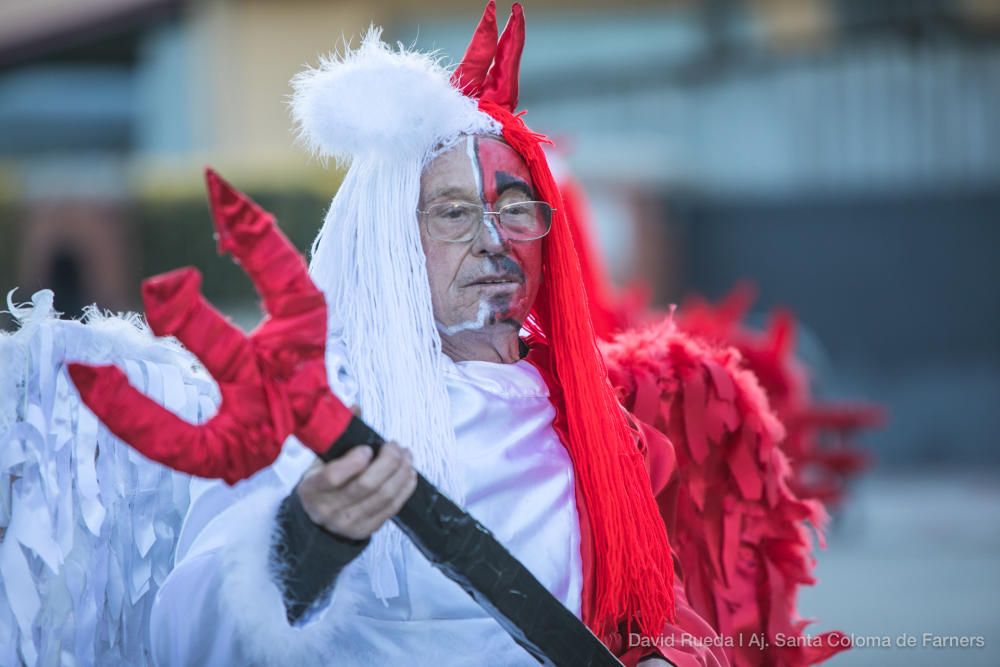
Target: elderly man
482	232
443	247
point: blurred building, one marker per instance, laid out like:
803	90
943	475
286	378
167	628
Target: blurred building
843	154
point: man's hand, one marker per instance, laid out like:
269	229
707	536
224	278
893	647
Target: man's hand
352	496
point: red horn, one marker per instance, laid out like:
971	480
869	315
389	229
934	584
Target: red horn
501	81
470	74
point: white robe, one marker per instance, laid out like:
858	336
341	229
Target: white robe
221	606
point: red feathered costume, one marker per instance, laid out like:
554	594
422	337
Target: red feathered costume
740	470
740	533
818	439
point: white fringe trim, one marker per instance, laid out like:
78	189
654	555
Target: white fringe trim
369	262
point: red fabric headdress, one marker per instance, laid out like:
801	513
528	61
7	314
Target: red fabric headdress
633	577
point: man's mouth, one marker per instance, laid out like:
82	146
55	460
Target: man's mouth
496	280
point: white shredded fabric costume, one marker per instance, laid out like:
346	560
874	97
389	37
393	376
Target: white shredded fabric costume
87	524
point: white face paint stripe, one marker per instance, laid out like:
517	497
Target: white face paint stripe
477	174
494	232
470	150
478	323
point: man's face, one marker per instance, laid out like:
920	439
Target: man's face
489	281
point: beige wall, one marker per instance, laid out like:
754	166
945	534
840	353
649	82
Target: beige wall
247	50
245	53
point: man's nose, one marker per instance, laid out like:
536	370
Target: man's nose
490	239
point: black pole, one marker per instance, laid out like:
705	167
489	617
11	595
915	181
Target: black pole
466	552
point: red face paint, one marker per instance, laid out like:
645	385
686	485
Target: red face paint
501	177
500	170
490	280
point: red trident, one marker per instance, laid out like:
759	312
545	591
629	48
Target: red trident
273	381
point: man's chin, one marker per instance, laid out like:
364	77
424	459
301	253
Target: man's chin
494	312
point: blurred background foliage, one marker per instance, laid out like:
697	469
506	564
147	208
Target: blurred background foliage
176	232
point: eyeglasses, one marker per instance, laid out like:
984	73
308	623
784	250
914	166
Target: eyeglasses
458	222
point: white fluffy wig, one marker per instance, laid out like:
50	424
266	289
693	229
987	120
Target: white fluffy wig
385	113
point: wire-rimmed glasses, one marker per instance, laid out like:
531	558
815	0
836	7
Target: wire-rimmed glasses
458	222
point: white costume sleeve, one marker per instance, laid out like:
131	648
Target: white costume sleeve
222	605
87	525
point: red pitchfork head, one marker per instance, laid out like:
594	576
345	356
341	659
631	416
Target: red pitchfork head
273	381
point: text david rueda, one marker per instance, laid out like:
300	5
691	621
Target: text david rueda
839	640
